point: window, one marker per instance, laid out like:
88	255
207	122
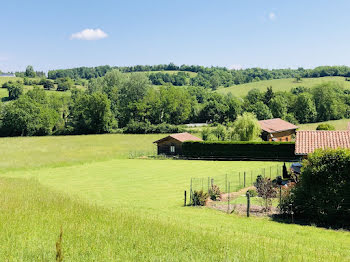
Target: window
172	149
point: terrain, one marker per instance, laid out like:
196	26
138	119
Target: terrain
282	85
112	208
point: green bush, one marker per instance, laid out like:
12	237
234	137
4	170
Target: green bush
250	150
214	193
323	194
325	126
199	198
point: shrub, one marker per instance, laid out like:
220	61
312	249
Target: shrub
323	194
199	198
266	190
215	193
252	192
325	126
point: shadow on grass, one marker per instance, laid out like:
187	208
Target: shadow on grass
287	219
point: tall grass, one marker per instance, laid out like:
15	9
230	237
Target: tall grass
31	216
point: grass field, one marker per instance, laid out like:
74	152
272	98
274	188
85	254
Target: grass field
341	124
281	85
116	209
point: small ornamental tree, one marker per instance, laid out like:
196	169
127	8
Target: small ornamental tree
214	192
266	190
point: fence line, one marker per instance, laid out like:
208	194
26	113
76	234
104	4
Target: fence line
236	180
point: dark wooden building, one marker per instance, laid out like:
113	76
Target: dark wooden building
277	130
172	145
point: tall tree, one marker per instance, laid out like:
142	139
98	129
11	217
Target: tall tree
247	127
29	72
305	109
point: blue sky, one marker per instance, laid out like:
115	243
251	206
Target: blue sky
268	34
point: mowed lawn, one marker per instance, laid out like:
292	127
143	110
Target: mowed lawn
341	124
33	152
116	209
282	85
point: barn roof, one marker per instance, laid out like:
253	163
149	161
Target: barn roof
308	141
276	125
182	137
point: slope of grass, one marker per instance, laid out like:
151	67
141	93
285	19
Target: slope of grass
32	216
281	85
131	209
146	220
341	124
31	152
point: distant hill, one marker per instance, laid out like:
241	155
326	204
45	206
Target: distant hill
281	84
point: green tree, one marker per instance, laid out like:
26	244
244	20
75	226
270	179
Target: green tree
29	117
91	114
30	72
261	111
278	107
48	84
130	95
254	95
64	84
304	108
328	101
269	95
247	127
15	90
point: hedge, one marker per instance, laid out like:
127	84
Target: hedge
249	150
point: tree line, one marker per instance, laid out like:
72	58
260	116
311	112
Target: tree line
121	102
211	77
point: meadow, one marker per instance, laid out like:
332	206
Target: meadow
281	85
112	208
341	124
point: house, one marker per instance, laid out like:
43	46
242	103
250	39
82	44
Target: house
277	130
308	141
7	75
172	145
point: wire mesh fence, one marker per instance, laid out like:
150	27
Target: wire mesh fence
235	180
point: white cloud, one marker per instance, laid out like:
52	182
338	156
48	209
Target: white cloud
272	16
89	34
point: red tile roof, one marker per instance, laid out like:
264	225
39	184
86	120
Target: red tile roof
308	141
182	137
276	125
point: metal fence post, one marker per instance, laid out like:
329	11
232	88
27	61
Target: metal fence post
248	203
228	199
185	202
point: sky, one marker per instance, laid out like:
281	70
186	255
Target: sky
235	34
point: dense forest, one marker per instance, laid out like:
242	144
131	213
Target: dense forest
210	77
119	102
